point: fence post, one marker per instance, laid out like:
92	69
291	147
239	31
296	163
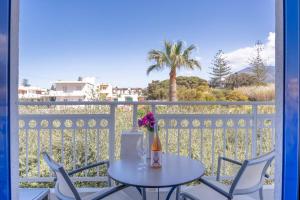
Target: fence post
153	108
254	130
134	116
112	127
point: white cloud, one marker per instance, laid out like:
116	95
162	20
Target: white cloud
240	58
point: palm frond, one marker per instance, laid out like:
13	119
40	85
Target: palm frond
168	47
153	67
154	54
188	50
178	47
195	63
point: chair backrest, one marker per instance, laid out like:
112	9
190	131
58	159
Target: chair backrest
64	187
251	175
129	141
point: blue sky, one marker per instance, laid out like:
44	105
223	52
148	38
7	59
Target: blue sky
109	39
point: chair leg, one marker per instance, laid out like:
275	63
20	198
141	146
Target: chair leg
178	193
261	196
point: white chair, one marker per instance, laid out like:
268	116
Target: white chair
129	141
65	189
249	179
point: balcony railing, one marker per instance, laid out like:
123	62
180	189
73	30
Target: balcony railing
78	133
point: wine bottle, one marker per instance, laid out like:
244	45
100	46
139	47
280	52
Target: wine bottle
156	153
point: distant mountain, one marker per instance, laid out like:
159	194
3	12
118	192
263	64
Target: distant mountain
270	74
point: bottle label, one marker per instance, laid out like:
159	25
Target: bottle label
156	159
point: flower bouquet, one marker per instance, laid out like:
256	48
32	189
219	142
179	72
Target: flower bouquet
148	122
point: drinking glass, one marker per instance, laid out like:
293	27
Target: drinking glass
141	149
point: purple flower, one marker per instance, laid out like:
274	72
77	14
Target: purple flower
150	116
148	121
140	123
152	124
144	121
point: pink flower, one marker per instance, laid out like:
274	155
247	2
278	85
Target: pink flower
148	121
144	121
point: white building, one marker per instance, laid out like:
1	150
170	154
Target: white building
106	90
127	94
119	94
81	90
31	93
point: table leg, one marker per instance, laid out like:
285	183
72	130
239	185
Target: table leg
170	192
144	193
157	193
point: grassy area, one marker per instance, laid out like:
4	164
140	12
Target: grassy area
258	93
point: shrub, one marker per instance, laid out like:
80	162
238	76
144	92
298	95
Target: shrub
185	94
219	94
239	80
235	96
258	93
204	93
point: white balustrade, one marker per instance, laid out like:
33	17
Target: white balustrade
79	133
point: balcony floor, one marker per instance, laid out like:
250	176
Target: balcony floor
152	195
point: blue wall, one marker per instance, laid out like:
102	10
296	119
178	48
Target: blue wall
4	100
290	178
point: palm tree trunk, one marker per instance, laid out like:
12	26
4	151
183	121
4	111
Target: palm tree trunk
172	86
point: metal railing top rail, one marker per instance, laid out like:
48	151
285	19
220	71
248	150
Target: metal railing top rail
186	103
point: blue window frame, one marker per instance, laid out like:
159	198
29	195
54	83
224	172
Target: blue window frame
4	100
290	175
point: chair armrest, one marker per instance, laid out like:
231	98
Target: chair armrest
216	188
106	162
228	160
267	176
231	160
111	191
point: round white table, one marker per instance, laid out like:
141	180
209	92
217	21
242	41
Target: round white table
175	171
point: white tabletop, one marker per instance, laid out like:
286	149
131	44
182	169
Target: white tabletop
175	170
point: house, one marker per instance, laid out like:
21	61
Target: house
127	94
105	90
80	90
31	93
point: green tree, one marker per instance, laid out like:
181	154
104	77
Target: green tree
25	82
174	57
190	81
259	69
158	90
52	87
238	80
220	69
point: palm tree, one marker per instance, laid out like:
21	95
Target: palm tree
174	57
